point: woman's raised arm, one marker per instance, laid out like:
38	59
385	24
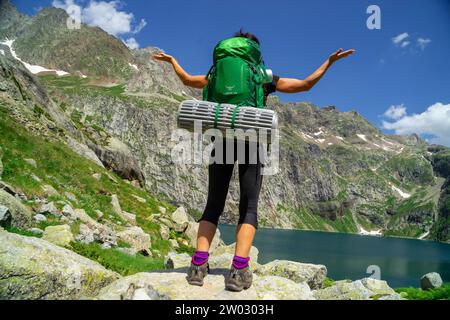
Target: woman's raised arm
289	85
197	82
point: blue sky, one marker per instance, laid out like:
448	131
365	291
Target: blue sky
412	73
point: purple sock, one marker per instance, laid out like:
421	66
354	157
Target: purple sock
200	257
240	262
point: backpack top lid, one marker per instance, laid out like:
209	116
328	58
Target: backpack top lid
240	47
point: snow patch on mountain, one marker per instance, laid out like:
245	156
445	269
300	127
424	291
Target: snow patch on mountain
32	68
364	232
133	66
403	194
362	137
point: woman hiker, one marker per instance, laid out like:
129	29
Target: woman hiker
246	47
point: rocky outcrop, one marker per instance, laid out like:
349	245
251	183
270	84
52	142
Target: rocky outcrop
5	216
431	280
59	235
180	219
365	289
31	268
312	274
21	216
137	238
173	286
83	150
154	77
278	288
118	157
129	217
91	229
219	259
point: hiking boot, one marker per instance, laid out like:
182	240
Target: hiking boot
196	274
238	279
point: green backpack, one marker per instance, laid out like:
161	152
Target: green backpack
237	75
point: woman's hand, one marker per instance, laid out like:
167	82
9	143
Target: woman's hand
163	57
340	54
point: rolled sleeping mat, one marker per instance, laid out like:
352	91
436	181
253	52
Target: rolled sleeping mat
226	116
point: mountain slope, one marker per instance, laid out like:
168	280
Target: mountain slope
45	40
11	21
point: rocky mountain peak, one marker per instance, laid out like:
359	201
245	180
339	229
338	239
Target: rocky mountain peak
52	12
10	19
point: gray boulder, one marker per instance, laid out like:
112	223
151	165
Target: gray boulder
21	216
40	218
137	238
116	205
36	231
86	235
7	188
59	235
164	231
31	268
278	288
49	208
312	274
431	280
174	243
83	150
173	286
70	196
365	289
5	216
50	191
69	213
180	219
119	158
100	233
175	260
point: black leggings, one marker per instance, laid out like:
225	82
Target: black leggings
250	181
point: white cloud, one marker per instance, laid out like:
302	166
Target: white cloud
140	26
434	121
395	112
404	44
132	43
398	40
423	43
104	14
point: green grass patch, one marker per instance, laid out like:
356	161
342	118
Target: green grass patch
22	232
117	261
328	282
65	170
442	293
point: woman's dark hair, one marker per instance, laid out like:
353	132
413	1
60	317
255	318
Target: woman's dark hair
247	35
